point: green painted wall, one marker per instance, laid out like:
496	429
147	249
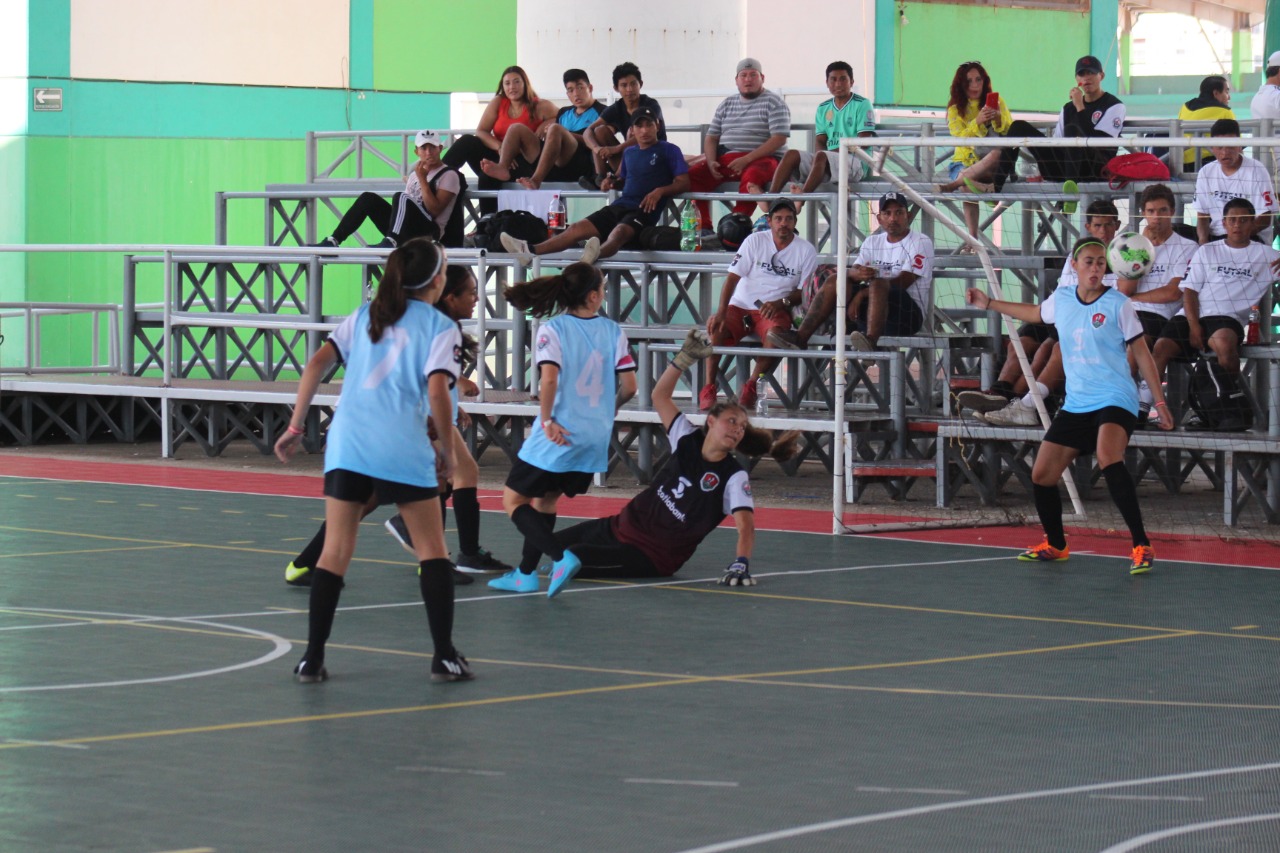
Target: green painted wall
938	37
478	37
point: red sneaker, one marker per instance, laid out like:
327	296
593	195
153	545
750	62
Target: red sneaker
707	396
747	396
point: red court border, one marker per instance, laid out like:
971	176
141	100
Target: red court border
1173	547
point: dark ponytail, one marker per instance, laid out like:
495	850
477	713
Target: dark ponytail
411	267
757	441
456	277
552	294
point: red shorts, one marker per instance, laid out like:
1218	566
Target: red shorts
739	322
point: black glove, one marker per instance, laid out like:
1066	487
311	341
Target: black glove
738	574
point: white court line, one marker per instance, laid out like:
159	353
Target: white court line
1140	797
1172	832
281	647
463	770
827	826
871	789
45	743
693	782
499	596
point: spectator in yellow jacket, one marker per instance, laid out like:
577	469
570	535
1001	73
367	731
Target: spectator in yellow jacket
1211	104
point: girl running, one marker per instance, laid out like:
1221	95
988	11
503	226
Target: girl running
1097	327
586	373
457	301
402	357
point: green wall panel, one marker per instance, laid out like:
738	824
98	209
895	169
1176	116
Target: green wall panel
939	37
442	45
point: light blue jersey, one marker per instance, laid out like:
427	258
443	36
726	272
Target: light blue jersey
589	352
380	426
1094	339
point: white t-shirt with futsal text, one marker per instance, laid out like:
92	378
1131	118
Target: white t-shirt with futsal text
1250	181
766	272
913	253
1230	281
1173	259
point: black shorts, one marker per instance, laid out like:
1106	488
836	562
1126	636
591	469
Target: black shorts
1039	332
607	218
580	165
358	488
533	482
903	318
603	556
1152	324
1079	430
1179	331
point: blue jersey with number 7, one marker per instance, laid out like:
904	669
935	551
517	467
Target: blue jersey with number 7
590	352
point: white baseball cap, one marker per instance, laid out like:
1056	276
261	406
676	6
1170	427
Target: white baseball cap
428	137
1273	61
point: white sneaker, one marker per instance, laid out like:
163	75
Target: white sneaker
1014	414
590	251
859	342
519	248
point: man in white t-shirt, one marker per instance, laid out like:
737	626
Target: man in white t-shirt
1232	175
763	283
890	285
1266	103
1226	279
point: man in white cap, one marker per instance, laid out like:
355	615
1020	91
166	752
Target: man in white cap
746	137
1266	103
422	210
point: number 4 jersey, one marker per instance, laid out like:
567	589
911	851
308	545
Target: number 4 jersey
590	352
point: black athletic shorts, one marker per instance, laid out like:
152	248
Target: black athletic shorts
533	482
1039	332
580	165
358	488
1179	330
607	218
1079	430
1152	324
903	317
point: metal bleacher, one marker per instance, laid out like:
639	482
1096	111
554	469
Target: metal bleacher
216	360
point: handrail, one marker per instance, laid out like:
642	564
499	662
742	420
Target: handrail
32	312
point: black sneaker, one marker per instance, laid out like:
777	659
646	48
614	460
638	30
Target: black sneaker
396	527
479	563
453	667
588	183
327	243
308	674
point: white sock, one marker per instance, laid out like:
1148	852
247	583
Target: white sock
1030	401
1144	393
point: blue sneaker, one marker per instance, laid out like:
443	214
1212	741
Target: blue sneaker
562	571
515	581
761	224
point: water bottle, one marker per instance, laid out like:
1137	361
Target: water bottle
557	215
1253	331
1029	171
762	395
689	241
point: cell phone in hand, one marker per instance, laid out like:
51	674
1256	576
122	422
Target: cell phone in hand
993	100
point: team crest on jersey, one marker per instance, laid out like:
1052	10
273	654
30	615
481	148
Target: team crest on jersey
709	481
457	354
1099	320
746	487
543	341
918	262
1097	116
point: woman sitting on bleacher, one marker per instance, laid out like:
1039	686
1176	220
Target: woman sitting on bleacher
422	210
974	111
514	103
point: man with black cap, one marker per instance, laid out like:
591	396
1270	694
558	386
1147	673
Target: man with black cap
746	137
763	285
652	170
1090	112
890	285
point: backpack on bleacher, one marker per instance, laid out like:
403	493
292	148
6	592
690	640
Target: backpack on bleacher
1217	397
520	224
1142	166
454	231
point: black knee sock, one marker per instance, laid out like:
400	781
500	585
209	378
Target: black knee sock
1049	508
435	581
466	514
531	553
307	558
325	589
1125	495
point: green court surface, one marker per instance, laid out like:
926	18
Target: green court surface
868	695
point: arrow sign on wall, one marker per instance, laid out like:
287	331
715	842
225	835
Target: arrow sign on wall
47	100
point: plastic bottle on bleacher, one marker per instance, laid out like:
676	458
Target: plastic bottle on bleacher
1253	331
762	395
689	241
1029	171
557	215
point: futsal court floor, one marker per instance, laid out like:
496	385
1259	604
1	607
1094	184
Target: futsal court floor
871	693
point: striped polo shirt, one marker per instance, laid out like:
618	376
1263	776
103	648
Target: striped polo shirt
744	125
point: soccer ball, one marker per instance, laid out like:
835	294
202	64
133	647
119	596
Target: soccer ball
1130	255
